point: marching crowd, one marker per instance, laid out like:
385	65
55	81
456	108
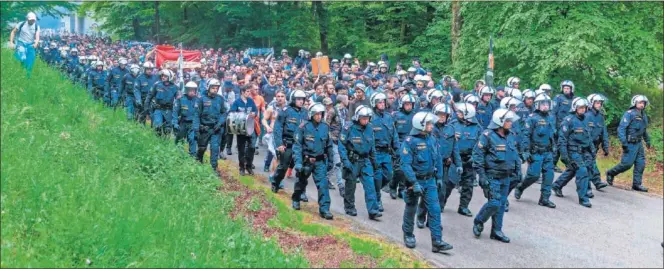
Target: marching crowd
393	128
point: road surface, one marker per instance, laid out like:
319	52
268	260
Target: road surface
622	229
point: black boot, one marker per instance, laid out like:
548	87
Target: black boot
393	194
557	191
326	215
546	202
557	169
342	190
229	151
465	211
640	188
585	203
250	170
500	237
601	185
351	212
410	241
518	192
304	198
478	227
440	246
507	206
420	223
266	169
375	216
330	186
590	194
242	172
296	205
274	188
380	207
609	178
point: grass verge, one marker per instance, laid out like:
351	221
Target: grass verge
82	186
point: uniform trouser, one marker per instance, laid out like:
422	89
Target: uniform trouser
129	104
211	137
494	208
112	97
382	175
465	181
582	173
336	170
319	171
161	121
245	151
186	132
541	164
398	178
633	154
430	197
141	113
285	159
444	188
362	170
97	93
567	175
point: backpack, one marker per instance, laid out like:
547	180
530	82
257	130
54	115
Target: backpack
20	27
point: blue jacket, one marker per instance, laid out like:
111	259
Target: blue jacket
313	140
537	133
127	84
633	127
288	122
186	110
96	79
447	142
162	95
420	158
143	85
404	123
561	107
484	114
212	111
466	134
574	136
356	140
496	156
385	134
114	79
597	127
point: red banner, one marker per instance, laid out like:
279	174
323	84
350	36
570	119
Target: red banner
169	53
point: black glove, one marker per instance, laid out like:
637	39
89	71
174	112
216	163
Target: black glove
625	148
648	145
439	184
574	166
417	189
486	188
330	166
606	152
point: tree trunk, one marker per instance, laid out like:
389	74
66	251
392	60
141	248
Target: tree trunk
321	16
155	32
457	21
402	33
136	26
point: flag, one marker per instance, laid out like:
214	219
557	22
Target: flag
180	72
488	78
166	54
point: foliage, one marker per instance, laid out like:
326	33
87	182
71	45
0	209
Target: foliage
609	47
16	11
81	183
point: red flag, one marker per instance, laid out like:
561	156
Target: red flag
169	53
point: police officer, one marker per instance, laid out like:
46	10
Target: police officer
484	107
496	161
576	148
537	142
500	94
512	103
594	119
387	142
448	148
288	122
357	152
160	100
97	80
212	113
403	122
114	82
546	88
142	87
423	167
245	147
186	120
561	105
127	89
525	108
71	62
313	153
434	97
631	132
466	131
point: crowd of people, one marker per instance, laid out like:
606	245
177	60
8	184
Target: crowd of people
393	128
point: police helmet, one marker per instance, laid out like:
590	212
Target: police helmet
98	63
466	109
122	61
319	54
441	108
362	111
567	83
284	51
472	99
500	116
168	73
546	88
316	108
421	119
528	93
295	95
347	56
433	93
74	50
512	92
334	61
134	69
508	102
53	45
408	98
542	99
578	102
513	81
376	98
191	86
213	82
412	69
596	97
640	98
487	90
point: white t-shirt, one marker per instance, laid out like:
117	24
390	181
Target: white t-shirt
27	33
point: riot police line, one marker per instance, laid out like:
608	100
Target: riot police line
399	134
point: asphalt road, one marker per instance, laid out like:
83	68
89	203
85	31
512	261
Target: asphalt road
622	229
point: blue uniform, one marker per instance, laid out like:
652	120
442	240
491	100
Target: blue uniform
96	82
127	90
387	142
467	133
523	111
538	142
495	158
560	109
448	148
403	123
312	150
186	121
160	99
113	85
484	114
289	120
357	153
212	113
142	87
632	131
422	165
576	147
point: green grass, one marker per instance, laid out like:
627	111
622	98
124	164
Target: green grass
80	182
